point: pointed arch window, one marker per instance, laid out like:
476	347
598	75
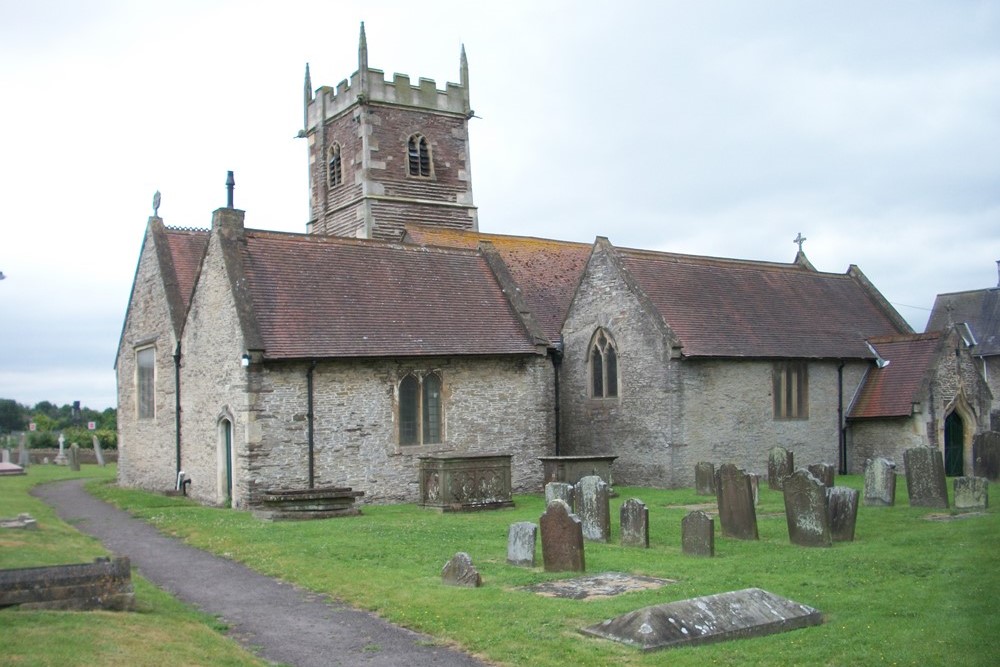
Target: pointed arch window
420	410
603	366
334	168
418	154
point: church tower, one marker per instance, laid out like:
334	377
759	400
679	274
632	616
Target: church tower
385	153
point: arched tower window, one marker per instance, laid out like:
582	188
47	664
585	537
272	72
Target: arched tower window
603	366
334	168
420	410
418	156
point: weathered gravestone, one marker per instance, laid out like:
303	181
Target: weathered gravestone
459	571
986	455
74	457
925	481
807	510
734	494
824	472
98	452
755	487
698	534
634	523
971	493
880	482
521	539
593	508
704	478
60	459
23	459
4	455
560	491
843	503
562	539
780	464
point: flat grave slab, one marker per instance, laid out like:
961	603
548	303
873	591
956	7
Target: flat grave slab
751	612
604	585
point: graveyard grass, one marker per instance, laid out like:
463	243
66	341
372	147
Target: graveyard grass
908	591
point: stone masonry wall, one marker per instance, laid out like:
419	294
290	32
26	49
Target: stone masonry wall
885	438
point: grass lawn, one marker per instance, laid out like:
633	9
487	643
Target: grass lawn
908	591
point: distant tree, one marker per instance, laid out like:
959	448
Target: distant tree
12	416
44	423
109	419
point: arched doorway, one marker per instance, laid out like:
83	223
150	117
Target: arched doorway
954	445
225	461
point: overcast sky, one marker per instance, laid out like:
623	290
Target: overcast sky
724	129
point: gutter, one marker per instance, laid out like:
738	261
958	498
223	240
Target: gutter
310	420
177	406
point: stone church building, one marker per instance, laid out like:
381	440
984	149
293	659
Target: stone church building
394	328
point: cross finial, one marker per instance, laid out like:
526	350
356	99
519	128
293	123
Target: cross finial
156	204
800	240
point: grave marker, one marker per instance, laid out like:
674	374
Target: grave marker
98	452
74	457
925	481
843	503
736	506
521	539
634	523
698	534
807	510
562	539
971	493
880	482
560	491
986	455
780	464
593	508
459	571
824	472
704	478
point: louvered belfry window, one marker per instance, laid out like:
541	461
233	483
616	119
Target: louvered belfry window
419	156
334	167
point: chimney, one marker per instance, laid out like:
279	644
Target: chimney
230	184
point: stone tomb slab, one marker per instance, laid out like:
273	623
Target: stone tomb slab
604	585
751	612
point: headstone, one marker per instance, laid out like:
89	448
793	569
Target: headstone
780	464
560	491
4	455
61	456
843	503
634	523
986	455
23	459
880	482
593	508
971	493
755	487
562	539
807	510
824	472
736	507
459	571
698	534
704	479
74	457
521	539
98	452
925	481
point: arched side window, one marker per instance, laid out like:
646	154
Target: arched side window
420	410
603	366
418	154
334	168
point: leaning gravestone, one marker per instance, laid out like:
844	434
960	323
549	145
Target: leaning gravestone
521	539
736	507
925	481
593	508
843	502
561	491
824	472
74	457
634	523
698	534
880	482
704	479
971	493
562	539
807	510
986	455
459	571
780	464
98	452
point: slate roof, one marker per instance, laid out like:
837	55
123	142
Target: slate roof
735	308
319	297
891	391
546	271
187	248
980	309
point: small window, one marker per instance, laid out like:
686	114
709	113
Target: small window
420	410
334	167
791	390
418	156
145	362
603	367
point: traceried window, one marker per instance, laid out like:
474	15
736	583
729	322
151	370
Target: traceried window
145	364
335	170
791	390
603	367
420	410
418	156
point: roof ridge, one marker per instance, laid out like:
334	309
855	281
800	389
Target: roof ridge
684	258
493	235
355	242
199	230
905	338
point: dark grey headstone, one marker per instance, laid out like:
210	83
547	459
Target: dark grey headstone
562	539
843	502
704	479
521	540
971	493
561	491
806	510
459	571
74	457
780	464
634	523
986	455
593	508
925	481
736	507
824	472
880	482
698	534
751	612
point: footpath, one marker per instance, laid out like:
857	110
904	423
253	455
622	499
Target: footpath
273	619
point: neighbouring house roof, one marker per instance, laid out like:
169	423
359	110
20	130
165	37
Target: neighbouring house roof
735	308
892	390
546	271
980	309
321	296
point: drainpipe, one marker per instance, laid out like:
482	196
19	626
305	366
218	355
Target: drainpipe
556	354
177	405
841	431
309	420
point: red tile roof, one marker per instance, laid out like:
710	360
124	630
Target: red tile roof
187	248
891	391
321	296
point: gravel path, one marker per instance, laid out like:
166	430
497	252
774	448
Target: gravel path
275	620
